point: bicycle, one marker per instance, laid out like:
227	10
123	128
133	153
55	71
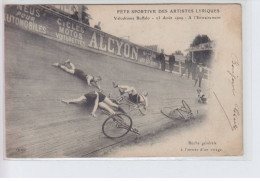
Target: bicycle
131	106
181	113
118	125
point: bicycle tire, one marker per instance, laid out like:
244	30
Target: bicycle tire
120	115
186	106
165	114
141	109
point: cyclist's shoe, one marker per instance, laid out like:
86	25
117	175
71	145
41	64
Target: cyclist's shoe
56	64
115	85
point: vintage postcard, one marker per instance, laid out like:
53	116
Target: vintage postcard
147	80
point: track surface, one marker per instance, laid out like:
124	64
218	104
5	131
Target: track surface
38	125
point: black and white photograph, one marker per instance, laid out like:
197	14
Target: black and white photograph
116	81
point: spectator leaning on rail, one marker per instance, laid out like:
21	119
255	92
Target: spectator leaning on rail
98	26
171	62
161	58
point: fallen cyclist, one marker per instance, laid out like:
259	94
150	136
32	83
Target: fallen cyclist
98	99
70	68
133	95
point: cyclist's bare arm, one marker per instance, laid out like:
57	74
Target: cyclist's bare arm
89	79
126	88
95	84
78	100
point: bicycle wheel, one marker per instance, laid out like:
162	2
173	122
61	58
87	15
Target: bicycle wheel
186	106
142	109
116	126
169	112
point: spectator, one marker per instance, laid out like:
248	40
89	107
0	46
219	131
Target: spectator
171	62
85	16
187	66
200	74
161	58
193	69
98	26
75	16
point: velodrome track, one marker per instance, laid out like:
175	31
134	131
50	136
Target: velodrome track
38	125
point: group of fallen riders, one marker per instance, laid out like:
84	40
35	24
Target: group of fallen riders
97	98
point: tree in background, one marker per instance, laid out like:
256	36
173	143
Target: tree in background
203	57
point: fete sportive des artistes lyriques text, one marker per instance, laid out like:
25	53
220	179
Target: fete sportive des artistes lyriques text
167	14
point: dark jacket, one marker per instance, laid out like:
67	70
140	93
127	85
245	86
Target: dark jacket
161	57
172	59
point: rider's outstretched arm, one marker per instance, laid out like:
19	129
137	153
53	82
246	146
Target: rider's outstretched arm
95	84
78	100
126	88
88	80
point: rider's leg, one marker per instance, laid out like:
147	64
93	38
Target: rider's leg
71	71
196	80
72	65
110	103
200	78
106	107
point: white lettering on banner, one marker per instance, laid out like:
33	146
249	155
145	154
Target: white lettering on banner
134	53
119	46
70	25
111	50
25	24
69	39
126	50
69	32
110	46
93	41
29	10
101	47
25	16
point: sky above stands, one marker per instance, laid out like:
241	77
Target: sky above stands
171	34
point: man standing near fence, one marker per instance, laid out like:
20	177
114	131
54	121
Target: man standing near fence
171	62
187	66
161	58
200	74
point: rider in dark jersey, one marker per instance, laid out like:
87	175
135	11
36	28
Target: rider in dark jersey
98	99
132	94
70	68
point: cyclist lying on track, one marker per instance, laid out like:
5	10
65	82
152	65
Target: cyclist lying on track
201	96
99	100
91	80
132	93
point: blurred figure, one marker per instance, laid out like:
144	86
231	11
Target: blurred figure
161	58
193	69
187	66
201	96
98	26
75	15
85	16
171	62
200	73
